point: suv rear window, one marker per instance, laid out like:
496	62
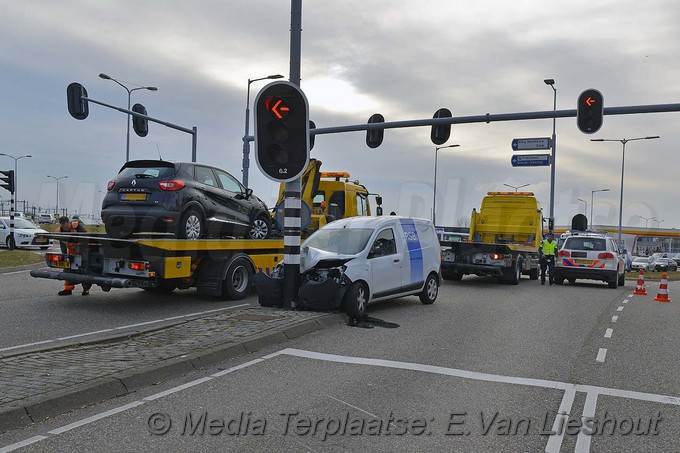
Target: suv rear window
147	172
595	244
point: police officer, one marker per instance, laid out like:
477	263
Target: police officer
547	250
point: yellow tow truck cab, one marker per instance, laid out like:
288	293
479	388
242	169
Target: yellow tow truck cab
329	196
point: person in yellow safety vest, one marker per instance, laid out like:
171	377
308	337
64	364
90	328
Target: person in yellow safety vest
71	248
547	250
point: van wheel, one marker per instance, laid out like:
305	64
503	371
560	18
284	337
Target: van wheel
356	299
191	225
237	282
430	290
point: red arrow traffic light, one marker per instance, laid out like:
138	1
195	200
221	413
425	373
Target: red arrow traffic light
277	107
590	101
590	111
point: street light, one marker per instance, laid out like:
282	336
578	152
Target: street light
57	178
129	92
516	187
658	222
434	200
585	211
551	82
647	219
623	162
592	192
246	142
16	178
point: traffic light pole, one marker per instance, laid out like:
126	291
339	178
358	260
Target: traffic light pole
292	202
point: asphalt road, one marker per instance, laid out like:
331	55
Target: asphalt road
485	368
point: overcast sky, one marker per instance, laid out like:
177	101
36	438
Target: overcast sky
402	58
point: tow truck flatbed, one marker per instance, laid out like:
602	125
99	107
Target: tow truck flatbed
216	267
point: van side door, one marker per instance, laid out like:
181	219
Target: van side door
385	260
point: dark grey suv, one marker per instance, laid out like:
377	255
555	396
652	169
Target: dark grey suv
188	199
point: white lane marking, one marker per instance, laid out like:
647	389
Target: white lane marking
651	397
615	318
608	333
620	308
625	301
583	440
601	354
22	444
555	441
15	272
177	389
200	313
94	418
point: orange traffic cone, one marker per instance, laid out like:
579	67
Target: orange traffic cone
663	290
640	288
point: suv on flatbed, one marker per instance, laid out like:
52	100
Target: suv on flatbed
591	256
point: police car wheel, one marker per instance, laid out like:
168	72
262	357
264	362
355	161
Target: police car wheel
356	299
430	290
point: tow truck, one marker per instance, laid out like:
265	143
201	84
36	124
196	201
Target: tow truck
221	268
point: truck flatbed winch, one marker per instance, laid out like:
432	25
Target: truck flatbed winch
215	267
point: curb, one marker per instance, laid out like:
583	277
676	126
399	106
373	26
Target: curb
61	401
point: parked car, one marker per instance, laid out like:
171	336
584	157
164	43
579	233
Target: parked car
351	262
676	258
640	263
664	264
187	199
592	256
46	218
24	234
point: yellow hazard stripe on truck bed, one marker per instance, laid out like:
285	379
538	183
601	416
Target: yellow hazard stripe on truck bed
246	245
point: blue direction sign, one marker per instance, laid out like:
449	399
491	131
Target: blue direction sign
520	144
530	160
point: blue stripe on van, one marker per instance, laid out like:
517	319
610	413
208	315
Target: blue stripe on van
415	250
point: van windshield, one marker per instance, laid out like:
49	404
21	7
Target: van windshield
343	241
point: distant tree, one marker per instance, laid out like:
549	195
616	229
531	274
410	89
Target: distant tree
463	221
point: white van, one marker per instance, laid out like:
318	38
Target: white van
358	260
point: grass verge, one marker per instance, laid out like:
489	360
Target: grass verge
12	258
672	276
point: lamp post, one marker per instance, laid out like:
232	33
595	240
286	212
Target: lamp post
658	222
57	178
623	163
246	142
516	187
585	211
592	192
434	197
646	219
551	83
129	92
16	178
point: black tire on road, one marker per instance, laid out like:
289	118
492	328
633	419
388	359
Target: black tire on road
513	275
572	280
448	274
429	293
534	274
356	299
614	282
238	280
622	279
191	225
558	280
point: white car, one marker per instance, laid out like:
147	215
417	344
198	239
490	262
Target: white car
640	263
46	218
591	256
24	234
354	261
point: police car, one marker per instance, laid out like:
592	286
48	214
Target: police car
24	233
352	262
590	255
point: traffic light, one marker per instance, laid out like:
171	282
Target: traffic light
312	125
441	132
590	111
140	125
77	106
7	180
374	137
281	131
